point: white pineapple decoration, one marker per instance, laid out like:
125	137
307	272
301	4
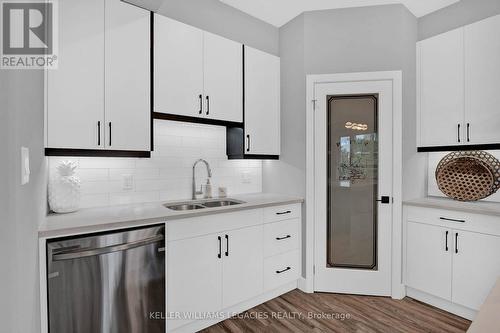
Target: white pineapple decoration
64	189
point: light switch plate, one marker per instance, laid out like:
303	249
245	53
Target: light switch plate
25	165
246	178
128	182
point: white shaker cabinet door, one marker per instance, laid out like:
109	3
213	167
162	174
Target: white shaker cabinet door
194	277
428	259
243	265
441	86
262	102
75	91
223	78
482	81
127	77
476	267
178	71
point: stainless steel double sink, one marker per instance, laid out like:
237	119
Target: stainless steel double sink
194	205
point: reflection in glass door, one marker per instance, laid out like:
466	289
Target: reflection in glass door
352	182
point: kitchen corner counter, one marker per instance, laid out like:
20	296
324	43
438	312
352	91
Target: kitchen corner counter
125	216
481	207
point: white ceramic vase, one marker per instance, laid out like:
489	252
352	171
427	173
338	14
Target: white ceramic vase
64	189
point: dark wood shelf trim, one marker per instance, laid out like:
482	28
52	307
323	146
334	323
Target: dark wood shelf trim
491	146
253	157
187	119
95	153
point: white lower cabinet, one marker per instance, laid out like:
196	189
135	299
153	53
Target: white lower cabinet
453	259
242	265
476	267
217	262
194	278
428	259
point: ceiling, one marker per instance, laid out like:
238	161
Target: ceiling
279	12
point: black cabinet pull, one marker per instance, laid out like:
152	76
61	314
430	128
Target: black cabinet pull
220	247
283	213
208	105
110	134
468	132
384	199
201	104
98	133
458	132
456	242
248	144
283	271
451	220
282	238
447	232
227	246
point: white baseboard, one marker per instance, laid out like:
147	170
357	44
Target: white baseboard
398	291
441	303
198	325
305	286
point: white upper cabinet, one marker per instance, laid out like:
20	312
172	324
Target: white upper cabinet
262	102
223	78
178	68
482	81
197	74
127	77
99	97
458	80
440	80
75	91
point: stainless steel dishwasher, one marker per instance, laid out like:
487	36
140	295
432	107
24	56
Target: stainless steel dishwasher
107	283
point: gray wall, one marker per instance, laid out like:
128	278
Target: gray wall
459	14
22	207
219	18
378	38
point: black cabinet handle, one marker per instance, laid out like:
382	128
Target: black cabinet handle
283	271
451	220
458	132
98	133
208	105
468	132
384	199
227	246
282	238
456	242
220	247
201	104
110	135
447	232
248	144
283	213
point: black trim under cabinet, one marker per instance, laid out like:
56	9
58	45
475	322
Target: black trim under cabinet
253	157
95	153
196	120
491	146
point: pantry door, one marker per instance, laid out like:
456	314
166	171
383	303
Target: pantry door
353	187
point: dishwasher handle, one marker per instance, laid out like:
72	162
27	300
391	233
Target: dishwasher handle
105	250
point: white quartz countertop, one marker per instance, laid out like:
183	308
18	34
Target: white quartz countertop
124	216
480	207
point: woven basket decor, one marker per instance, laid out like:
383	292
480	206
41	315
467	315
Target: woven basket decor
468	175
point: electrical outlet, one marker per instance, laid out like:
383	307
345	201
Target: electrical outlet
246	178
128	182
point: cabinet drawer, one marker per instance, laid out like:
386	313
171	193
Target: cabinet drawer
280	213
281	269
281	237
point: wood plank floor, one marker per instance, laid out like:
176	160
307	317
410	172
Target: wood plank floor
294	311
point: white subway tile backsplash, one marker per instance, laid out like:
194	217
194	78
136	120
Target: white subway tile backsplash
167	174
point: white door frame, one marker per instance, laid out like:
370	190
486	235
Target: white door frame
397	290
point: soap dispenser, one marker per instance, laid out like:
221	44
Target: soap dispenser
208	190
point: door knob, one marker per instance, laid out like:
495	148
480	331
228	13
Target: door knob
385	200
